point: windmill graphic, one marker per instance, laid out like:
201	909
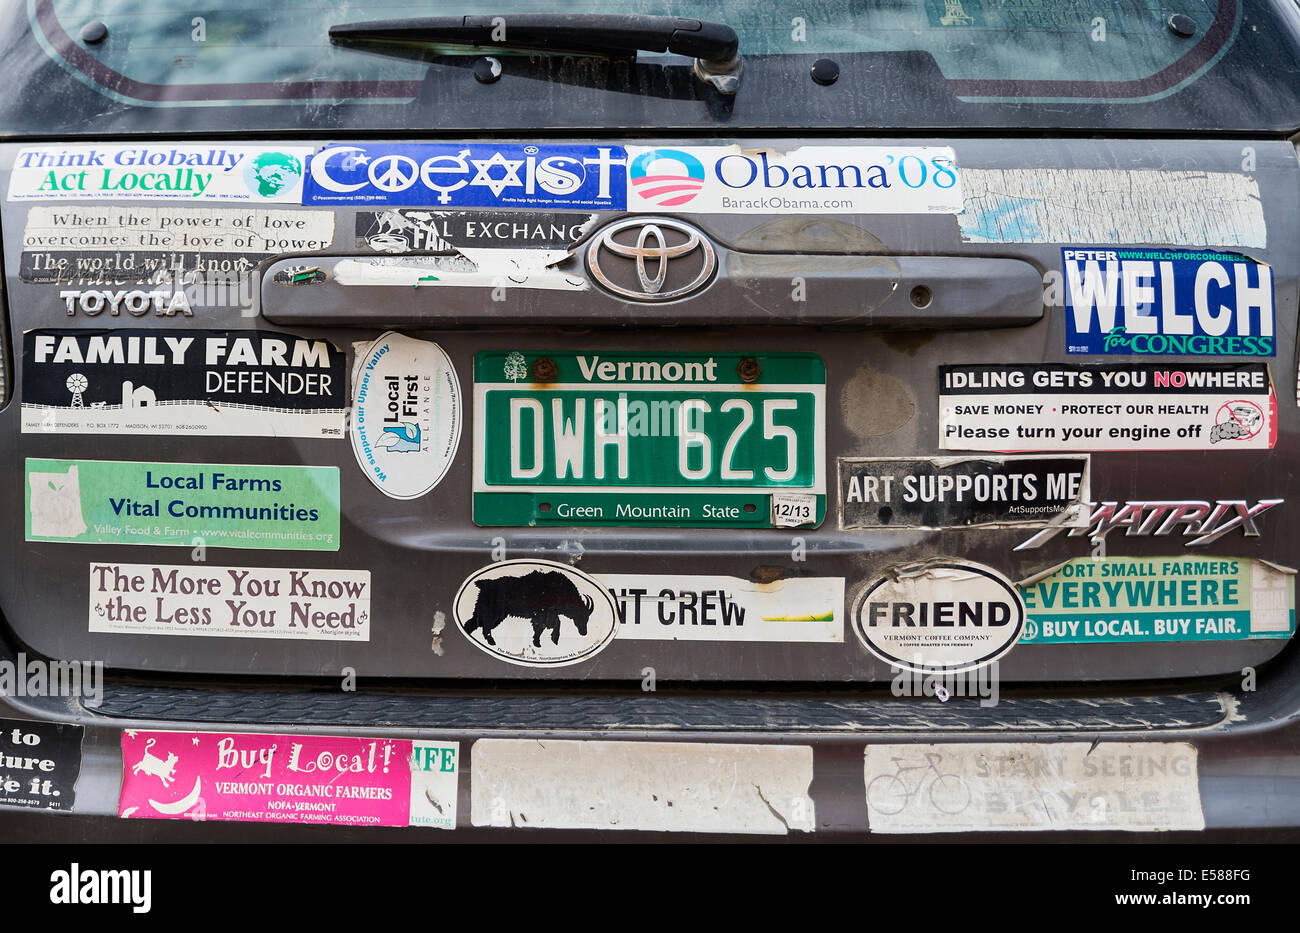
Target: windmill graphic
77	384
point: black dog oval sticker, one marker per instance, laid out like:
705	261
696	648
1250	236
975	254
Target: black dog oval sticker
536	612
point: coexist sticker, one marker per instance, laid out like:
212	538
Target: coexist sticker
940	617
536	613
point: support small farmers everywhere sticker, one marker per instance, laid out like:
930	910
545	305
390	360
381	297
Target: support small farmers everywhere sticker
1138	599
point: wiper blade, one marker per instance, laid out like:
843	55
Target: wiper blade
714	46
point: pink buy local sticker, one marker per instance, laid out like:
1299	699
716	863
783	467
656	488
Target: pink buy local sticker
266	778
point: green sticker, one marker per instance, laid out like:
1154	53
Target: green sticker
292	508
1130	599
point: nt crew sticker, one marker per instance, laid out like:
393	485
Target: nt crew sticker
699	608
196	382
183	504
230	602
1060	407
1159	302
1132	599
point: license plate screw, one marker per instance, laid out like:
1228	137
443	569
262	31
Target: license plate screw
748	370
545	370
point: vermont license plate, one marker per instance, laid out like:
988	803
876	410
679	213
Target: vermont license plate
600	438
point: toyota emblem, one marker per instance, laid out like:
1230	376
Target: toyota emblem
651	259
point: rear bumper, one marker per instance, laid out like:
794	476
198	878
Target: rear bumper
1247	769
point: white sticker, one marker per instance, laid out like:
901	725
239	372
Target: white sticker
474	267
95	229
536	613
230	602
1105	206
406	415
159	171
793	509
713	608
1050	407
658	786
435	773
807	180
940	617
968	787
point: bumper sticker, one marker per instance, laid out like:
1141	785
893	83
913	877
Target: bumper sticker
266	778
230	602
969	787
1135	599
183	504
1050	407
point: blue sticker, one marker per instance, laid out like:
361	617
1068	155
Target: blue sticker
448	175
1156	302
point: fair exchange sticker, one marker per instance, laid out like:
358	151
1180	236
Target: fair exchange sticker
940	617
536	613
405	415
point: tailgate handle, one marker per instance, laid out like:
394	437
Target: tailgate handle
749	289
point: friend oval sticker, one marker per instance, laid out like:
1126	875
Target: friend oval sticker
940	617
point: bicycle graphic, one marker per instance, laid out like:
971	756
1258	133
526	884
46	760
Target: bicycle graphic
889	794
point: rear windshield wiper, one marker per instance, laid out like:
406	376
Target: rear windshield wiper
714	46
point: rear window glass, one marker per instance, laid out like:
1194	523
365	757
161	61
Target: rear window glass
904	63
1051	48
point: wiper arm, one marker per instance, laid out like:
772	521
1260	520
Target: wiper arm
714	46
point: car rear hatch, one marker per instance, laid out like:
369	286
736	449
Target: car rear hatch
781	398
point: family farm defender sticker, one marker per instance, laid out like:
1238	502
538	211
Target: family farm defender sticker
230	602
406	415
940	617
293	508
1051	407
711	608
159	171
962	492
269	778
1090	600
702	787
39	764
119	244
1151	302
806	180
975	786
452	175
609	438
536	613
193	382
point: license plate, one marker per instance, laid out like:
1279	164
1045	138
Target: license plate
601	438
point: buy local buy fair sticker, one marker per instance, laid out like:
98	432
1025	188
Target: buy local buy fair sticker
1137	599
